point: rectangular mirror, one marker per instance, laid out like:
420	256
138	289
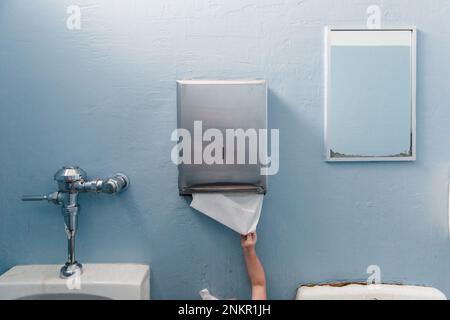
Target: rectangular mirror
370	94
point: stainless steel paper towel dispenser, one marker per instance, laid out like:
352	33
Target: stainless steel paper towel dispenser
226	106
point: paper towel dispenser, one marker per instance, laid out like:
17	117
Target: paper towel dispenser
225	107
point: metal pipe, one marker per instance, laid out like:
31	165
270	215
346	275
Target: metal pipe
72	181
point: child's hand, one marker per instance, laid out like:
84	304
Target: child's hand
248	241
254	267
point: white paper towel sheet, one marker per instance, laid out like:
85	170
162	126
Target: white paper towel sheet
238	211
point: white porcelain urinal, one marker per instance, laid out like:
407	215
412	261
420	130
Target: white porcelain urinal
358	291
98	282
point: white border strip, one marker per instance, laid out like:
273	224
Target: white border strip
370	38
449	208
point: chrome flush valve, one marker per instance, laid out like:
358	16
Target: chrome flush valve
72	181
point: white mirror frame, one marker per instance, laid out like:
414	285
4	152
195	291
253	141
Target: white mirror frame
327	66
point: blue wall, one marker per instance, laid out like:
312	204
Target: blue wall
103	98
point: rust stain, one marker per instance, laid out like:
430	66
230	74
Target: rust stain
341	284
333	284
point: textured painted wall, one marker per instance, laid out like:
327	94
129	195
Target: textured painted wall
103	98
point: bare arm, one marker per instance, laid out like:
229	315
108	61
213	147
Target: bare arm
254	267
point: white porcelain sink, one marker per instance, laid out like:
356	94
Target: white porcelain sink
359	291
98	282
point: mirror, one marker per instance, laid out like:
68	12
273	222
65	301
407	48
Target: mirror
370	94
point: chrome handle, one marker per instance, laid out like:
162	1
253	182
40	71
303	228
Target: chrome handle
34	197
52	197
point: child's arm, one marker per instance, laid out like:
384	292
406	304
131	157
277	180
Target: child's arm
254	267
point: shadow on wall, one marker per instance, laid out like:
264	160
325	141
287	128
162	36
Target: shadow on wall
285	203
